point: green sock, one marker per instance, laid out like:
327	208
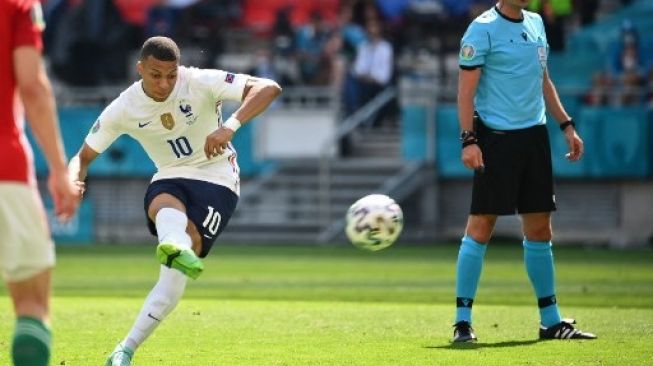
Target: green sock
31	343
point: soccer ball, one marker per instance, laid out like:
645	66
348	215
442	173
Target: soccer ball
374	222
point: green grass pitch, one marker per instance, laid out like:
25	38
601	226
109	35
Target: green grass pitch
340	306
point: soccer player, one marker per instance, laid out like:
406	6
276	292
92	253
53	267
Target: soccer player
174	112
503	89
26	249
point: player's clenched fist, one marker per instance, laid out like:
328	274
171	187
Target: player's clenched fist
217	142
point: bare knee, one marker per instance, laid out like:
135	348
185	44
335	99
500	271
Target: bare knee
31	296
541	233
480	227
537	226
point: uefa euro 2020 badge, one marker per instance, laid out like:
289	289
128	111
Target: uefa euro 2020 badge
467	52
186	109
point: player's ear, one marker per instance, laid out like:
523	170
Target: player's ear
139	67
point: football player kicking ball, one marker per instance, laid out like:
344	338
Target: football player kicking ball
174	112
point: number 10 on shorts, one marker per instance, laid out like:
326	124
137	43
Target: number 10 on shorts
212	220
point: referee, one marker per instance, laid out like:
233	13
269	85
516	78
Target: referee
503	89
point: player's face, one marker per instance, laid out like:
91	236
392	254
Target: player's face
159	77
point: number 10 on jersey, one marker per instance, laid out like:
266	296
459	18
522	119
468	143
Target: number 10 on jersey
180	146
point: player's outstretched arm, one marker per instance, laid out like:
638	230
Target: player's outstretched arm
40	108
78	167
257	96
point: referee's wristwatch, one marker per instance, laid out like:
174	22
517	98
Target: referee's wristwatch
467	134
468	138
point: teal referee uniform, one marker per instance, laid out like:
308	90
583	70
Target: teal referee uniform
503	97
513	56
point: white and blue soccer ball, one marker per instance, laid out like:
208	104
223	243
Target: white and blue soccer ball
374	222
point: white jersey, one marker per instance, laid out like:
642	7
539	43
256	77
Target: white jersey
173	132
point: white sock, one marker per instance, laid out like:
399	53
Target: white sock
159	303
171	227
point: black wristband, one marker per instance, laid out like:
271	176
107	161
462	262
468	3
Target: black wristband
564	125
468	142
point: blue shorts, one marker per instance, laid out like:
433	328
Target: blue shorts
209	206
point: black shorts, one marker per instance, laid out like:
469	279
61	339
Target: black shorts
518	176
209	206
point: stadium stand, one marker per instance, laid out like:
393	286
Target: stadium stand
612	182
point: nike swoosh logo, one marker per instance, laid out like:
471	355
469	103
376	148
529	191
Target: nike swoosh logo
150	315
141	125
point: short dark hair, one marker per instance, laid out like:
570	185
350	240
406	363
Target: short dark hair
161	48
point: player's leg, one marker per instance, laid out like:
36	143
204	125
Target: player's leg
26	256
209	208
538	258
160	302
493	194
535	205
168	216
468	272
536	202
175	249
32	338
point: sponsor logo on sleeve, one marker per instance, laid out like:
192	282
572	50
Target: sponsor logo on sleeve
96	127
229	78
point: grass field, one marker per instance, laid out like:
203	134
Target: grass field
340	306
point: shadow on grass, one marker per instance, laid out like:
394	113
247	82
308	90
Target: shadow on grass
464	346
